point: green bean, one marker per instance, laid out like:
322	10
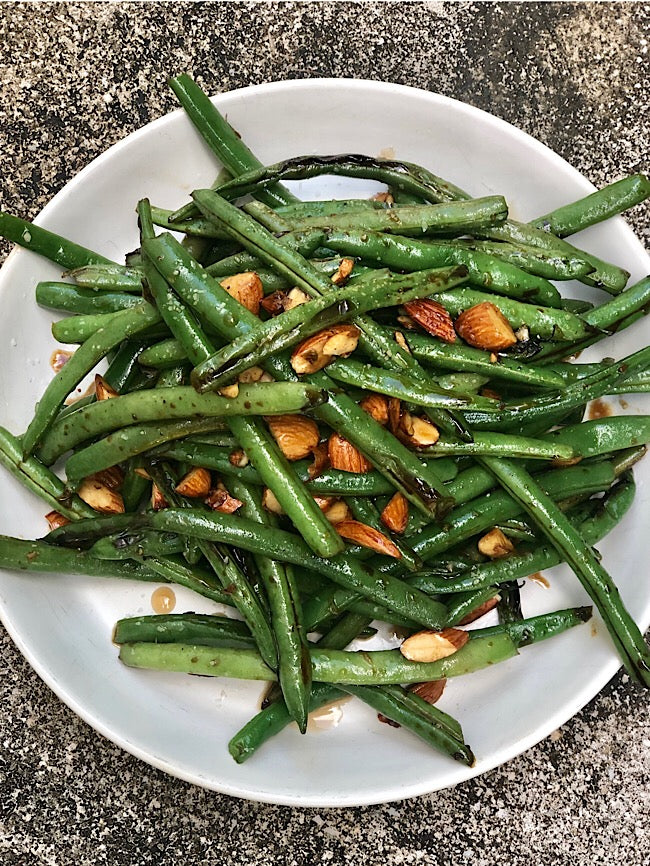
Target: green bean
173	377
163	355
197	227
505	445
457	217
203	581
134	486
200	628
596	207
305	243
73	299
381	667
366	512
125	324
165	404
299	209
569	543
463	604
408	254
550	264
294	668
108	277
603	435
550	352
634	299
52	246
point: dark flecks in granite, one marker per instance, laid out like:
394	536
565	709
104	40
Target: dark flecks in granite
78	77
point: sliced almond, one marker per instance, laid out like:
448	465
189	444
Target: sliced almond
246	288
55	519
253	374
321	460
196	484
367	536
485	327
324	502
400	339
275	303
296	298
343	455
394	414
395	515
317	351
417	432
376	405
429	646
270	502
220	500
113	477
338	512
407	322
158	501
433	318
296	435
229	391
103	390
430	692
385	197
495	544
344	270
100	497
238	458
480	611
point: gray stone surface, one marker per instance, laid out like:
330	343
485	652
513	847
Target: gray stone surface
78	77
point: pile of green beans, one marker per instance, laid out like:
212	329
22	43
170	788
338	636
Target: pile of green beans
449	447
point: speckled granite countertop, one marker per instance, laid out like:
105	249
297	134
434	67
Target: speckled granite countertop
78	77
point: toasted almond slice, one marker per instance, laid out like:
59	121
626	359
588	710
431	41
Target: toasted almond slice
495	544
100	497
196	484
406	322
338	511
395	515
229	391
253	374
296	298
394	414
55	519
238	458
485	327
430	692
275	303
385	197
246	288
367	536
321	460
433	318
429	646
158	501
113	477
343	272
317	351
376	405
296	435
400	339
480	611
270	502
417	432
220	500
103	390
324	502
343	455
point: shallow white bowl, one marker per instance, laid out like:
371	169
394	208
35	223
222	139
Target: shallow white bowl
63	624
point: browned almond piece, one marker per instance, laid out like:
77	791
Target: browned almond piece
113	477
246	288
321	460
275	303
395	515
220	500
386	721
400	339
55	519
196	484
324	502
495	544
338	511
103	390
429	646
343	455
417	432
376	405
433	318
229	391
142	473
394	414
296	435
270	502
480	611
386	197
344	270
485	327
100	497
239	458
295	298
429	692
158	501
253	374
367	536
407	322
317	351
488	392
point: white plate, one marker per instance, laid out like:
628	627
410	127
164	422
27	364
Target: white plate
63	625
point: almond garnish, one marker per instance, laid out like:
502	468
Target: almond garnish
113	477
296	435
238	458
103	390
55	519
495	544
400	339
100	497
367	536
394	414
485	327
429	646
338	512
246	288
343	455
270	502
282	301
480	611
220	500
229	391
430	692
433	318
248	377
142	473
416	431
343	272
196	484
395	515
317	351
385	197
324	502
158	501
376	405
321	460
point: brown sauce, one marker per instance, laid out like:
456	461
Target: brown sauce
599	409
163	600
539	578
